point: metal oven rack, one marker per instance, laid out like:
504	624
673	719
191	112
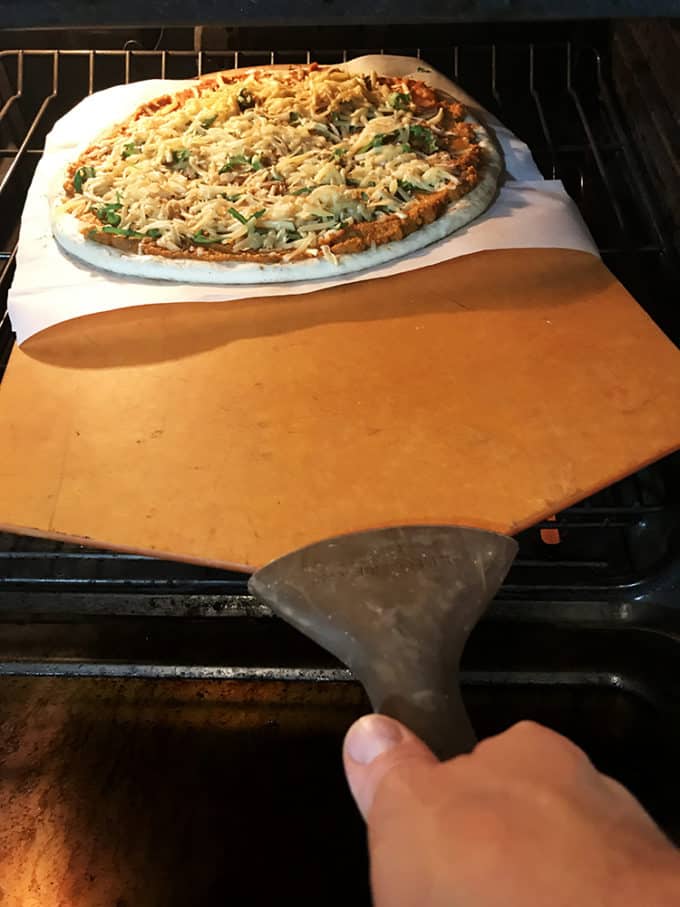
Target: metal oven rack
613	559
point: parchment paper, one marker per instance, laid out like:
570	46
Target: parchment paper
49	287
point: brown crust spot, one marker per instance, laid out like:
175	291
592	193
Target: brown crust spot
424	97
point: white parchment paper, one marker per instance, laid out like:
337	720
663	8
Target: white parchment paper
49	287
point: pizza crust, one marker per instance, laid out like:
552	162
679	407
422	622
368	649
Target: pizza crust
68	231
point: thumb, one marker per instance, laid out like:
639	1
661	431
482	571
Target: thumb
375	746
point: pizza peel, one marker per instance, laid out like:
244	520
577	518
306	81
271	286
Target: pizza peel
232	434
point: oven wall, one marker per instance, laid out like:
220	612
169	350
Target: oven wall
645	73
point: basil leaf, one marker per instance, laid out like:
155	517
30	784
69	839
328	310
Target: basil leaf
242	218
202	239
255	162
82	175
131	234
245	100
233	161
399	100
237	214
120	231
338	152
130	149
405	147
180	159
208	122
107	214
406	186
382	138
304	191
293	117
375	142
422	139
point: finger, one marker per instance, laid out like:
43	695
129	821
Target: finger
374	747
530	748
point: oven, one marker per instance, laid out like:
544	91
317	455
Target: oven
164	739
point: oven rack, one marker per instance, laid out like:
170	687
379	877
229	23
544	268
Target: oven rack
616	557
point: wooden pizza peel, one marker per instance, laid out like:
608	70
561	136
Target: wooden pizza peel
489	391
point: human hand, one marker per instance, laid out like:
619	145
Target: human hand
523	821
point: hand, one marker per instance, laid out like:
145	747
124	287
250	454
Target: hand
523	821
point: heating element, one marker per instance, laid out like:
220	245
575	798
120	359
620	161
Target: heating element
71	610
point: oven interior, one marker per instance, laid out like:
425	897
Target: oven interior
584	634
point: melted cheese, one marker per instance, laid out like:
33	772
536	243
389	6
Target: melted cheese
273	161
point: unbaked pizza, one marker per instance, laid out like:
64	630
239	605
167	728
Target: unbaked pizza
276	174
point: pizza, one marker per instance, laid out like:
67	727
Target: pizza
276	174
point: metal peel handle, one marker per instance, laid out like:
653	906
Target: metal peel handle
396	606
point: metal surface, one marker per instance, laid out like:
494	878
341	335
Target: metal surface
54	14
396	606
203	793
617	562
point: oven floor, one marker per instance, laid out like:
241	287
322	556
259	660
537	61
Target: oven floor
141	794
129	793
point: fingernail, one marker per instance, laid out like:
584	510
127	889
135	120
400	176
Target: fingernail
370	737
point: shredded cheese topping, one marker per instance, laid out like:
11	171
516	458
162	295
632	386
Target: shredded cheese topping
275	160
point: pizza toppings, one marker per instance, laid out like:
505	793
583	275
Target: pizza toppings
179	159
277	165
130	149
81	175
400	100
